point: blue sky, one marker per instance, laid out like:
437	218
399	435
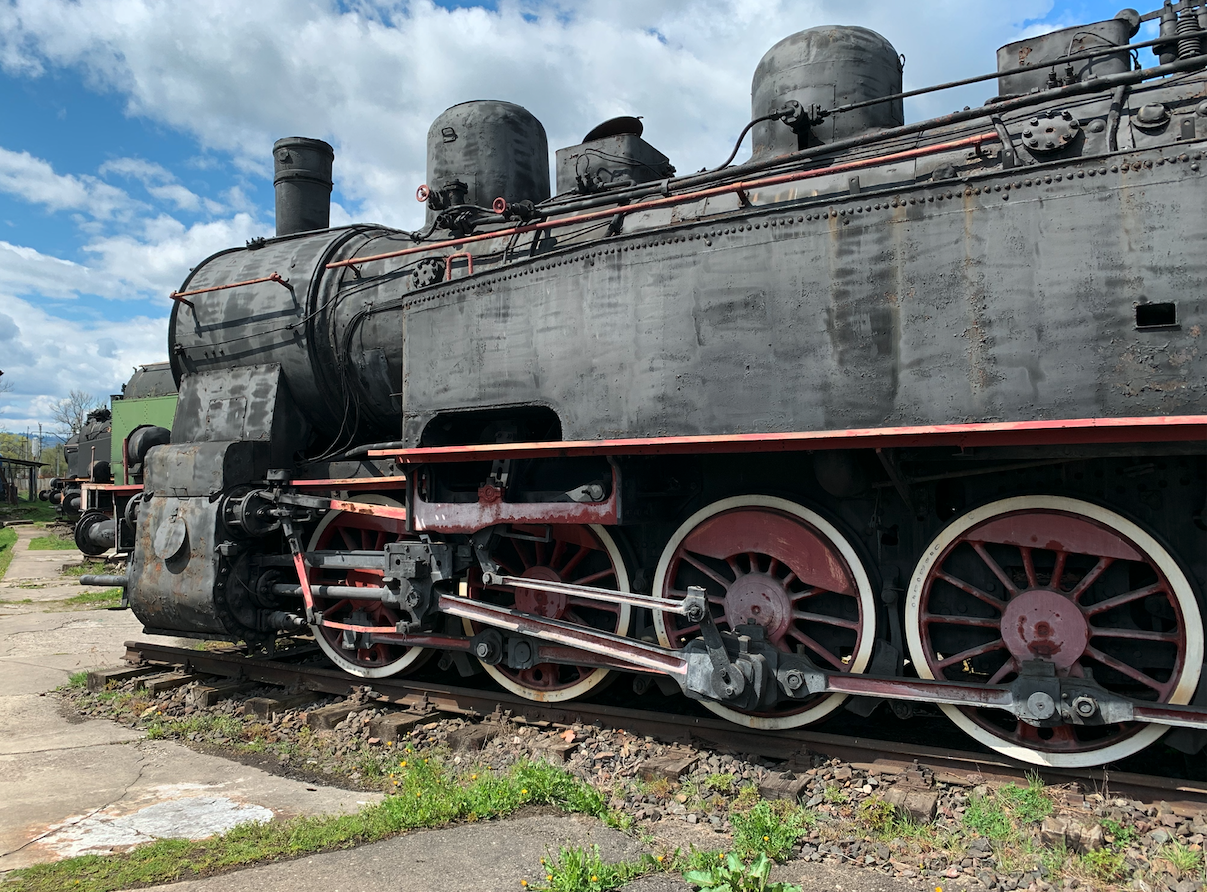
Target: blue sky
135	135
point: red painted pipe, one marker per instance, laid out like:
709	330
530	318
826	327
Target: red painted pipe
745	186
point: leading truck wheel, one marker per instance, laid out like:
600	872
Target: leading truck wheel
778	564
577	554
345	531
1066	581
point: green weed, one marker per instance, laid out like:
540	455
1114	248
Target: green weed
1105	865
583	870
1003	812
769	828
1183	858
720	783
835	795
730	874
77	679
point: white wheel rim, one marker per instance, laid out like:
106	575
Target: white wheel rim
336	654
1149	546
867	604
592	679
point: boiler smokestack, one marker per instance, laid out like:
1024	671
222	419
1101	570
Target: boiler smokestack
302	179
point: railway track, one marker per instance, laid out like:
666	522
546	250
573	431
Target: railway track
286	670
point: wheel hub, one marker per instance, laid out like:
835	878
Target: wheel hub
761	598
1042	624
547	604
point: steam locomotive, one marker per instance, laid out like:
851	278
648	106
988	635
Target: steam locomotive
92	454
890	413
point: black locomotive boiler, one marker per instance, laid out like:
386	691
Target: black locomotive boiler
887	414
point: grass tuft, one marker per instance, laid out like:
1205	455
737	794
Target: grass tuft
108	598
427	793
8	538
51	543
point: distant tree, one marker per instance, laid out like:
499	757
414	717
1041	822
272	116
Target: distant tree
71	411
5	386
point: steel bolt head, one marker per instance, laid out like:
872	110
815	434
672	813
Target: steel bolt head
1085	706
482	650
794	680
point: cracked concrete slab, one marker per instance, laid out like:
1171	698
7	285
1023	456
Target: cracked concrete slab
70	785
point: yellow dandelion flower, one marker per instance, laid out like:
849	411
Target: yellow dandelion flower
524	792
425	761
543	861
402	764
549	877
595	879
473	777
662	858
768	839
418	795
524	883
389	743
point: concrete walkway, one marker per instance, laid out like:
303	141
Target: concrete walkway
37	567
71	786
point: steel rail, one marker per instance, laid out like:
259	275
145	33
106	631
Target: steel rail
791	744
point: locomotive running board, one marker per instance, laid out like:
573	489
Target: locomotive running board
1063	432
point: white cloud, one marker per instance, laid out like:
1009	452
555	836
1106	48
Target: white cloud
156	259
45	356
34	180
26	271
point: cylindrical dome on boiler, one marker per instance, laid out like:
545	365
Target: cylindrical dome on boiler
826	67
496	149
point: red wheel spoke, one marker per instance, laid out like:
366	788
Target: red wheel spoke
521	551
349	542
575	559
1136	635
754	562
789	579
706	570
575	617
816	648
807	593
999	644
539	547
997	571
1058	570
1090	578
773	567
1029	567
973	622
559	550
968	588
1130	671
595	577
1125	598
824	619
1011	665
